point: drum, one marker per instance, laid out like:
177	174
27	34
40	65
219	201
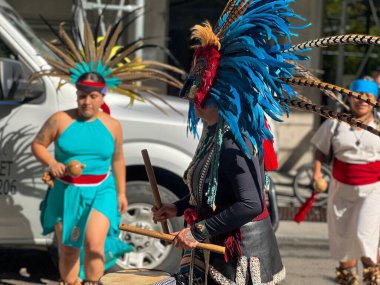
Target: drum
137	277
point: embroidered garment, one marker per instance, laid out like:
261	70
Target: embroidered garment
239	200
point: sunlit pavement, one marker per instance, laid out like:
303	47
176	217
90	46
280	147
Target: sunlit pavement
305	254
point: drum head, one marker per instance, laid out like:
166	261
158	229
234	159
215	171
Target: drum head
134	276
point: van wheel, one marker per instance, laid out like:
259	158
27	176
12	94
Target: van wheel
150	253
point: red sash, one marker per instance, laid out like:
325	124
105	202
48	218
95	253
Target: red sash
84	179
356	174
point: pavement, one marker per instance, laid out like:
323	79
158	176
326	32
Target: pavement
290	231
313	233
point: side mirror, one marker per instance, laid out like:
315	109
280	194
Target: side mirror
13	82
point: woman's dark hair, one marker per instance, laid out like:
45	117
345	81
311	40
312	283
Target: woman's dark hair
93	76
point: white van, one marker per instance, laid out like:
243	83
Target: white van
144	127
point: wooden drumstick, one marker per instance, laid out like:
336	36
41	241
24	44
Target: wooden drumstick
153	185
169	237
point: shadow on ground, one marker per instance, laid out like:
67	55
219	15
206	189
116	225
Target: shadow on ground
21	266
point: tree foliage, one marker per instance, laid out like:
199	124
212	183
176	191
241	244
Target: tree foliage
359	20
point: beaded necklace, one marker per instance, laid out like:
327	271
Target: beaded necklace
209	147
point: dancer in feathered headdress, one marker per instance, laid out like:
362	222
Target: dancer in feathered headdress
241	72
233	82
87	196
119	67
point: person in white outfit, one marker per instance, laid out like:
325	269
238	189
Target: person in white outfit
354	193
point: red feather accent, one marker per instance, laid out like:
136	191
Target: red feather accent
270	158
305	208
190	216
212	56
105	108
232	245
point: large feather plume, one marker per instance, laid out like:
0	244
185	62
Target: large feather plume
255	71
205	35
307	74
252	60
119	66
352	39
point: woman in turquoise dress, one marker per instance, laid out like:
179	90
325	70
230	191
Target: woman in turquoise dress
83	210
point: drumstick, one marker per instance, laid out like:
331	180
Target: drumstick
153	185
169	237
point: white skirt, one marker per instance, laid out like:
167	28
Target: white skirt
353	215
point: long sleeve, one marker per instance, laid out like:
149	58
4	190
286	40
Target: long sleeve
245	180
182	205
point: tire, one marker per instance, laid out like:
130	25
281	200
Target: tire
272	205
303	184
150	253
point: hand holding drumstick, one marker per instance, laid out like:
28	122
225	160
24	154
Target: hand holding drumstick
167	211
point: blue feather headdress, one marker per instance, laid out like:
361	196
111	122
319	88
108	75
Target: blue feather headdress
243	67
251	60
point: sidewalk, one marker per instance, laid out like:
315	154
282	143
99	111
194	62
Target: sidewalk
304	247
305	253
305	233
289	232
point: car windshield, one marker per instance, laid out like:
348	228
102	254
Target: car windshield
18	23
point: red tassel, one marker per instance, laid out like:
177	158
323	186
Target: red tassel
232	245
270	158
190	216
105	108
305	208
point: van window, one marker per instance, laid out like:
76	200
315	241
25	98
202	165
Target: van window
19	24
8	53
5	52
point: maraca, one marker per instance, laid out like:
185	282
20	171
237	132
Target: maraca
320	185
74	168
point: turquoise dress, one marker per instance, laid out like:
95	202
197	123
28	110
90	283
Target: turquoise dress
92	144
